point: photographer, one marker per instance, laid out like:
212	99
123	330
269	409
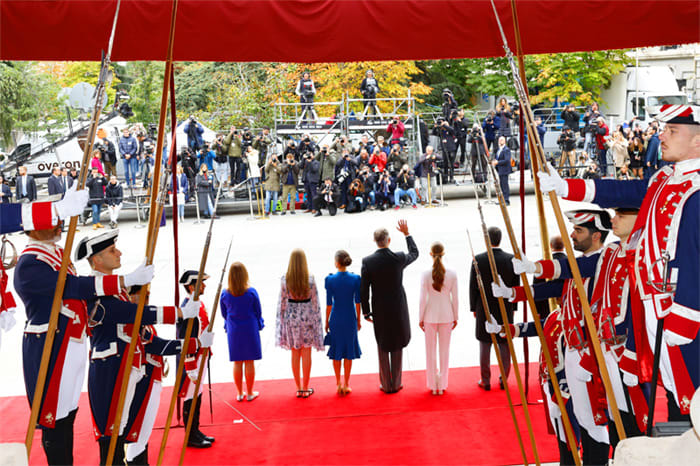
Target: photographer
147	161
232	143
327	197
262	143
601	131
340	143
428	165
327	160
504	114
356	197
221	166
363	158
405	186
369	89
310	177
369	181
366	144
396	129
194	130
378	160
345	171
205	157
289	174
590	117
448	145
461	127
246	140
305	145
449	104
477	154
306	90
571	118
109	153
96	184
272	184
114	196
567	144
189	166
383	193
490	127
396	160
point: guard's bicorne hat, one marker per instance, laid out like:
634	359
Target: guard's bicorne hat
679	114
88	247
590	218
189	277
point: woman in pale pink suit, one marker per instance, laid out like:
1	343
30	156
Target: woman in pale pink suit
438	316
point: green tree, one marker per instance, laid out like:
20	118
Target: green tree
145	87
88	72
28	101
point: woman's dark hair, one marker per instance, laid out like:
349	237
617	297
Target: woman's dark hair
343	258
438	250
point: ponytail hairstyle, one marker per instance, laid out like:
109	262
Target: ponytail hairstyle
438	250
343	258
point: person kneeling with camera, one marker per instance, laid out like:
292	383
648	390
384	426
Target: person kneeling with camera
356	197
405	185
326	197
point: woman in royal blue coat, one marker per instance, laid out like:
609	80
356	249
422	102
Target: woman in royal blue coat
241	310
343	319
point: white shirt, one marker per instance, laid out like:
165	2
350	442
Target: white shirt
439	307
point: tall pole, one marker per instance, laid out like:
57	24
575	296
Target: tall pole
494	343
538	155
100	91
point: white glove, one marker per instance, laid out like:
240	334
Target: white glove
501	291
206	339
553	182
523	265
7	320
73	202
674	340
142	275
630	380
190	310
492	327
554	411
582	374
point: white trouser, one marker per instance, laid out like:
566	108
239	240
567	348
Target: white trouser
135	449
552	407
434	332
190	388
616	381
665	370
114	212
136	376
580	400
424	188
72	377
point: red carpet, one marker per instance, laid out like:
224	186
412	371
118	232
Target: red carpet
412	427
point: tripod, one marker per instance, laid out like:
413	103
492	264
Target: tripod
371	108
307	108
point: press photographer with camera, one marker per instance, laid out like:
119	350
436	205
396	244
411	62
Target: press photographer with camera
356	197
461	127
147	161
601	132
109	153
232	143
490	127
306	91
189	165
378	160
504	114
369	88
272	184
289	174
345	171
590	118
396	130
396	160
194	131
221	166
305	145
383	193
567	144
571	117
327	160
429	165
449	104
405	186
311	176
369	182
326	198
448	146
262	143
340	143
477	154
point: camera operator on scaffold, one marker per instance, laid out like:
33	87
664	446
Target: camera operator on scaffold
369	89
306	90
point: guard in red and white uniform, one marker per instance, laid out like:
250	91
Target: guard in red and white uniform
35	280
590	230
193	360
666	243
111	320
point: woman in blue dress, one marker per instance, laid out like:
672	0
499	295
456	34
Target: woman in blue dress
241	310
343	319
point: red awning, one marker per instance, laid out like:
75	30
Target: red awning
334	30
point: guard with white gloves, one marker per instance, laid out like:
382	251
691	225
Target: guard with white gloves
493	327
142	275
73	202
552	182
190	309
499	290
524	265
206	339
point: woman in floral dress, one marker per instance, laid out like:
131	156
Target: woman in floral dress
299	325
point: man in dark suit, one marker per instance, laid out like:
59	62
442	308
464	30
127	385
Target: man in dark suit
382	272
25	185
54	183
505	270
502	164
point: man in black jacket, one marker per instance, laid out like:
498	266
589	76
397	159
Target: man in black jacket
503	167
448	146
54	183
382	274
567	143
311	176
571	118
326	196
461	127
505	270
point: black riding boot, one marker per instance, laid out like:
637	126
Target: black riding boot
196	419
141	459
194	439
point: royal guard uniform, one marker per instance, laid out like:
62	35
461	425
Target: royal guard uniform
554	338
193	360
110	321
35	279
587	391
666	265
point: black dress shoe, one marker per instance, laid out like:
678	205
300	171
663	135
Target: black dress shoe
205	437
318	214
484	386
196	442
500	384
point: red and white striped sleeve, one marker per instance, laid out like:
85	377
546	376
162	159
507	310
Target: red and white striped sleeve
107	285
580	190
683	322
39	216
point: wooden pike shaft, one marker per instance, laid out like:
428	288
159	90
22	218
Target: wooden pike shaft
205	356
188	333
487	315
570	438
57	302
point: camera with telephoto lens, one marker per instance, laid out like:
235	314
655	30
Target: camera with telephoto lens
475	133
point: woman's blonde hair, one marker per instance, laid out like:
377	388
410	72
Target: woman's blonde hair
438	250
237	279
506	106
297	276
